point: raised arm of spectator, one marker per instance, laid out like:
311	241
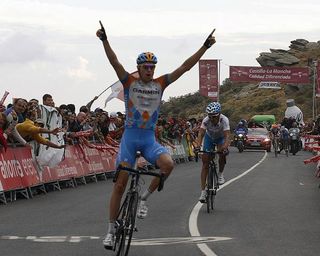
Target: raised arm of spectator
192	60
54	131
89	104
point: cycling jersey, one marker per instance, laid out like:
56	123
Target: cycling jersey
216	131
284	134
275	131
142	101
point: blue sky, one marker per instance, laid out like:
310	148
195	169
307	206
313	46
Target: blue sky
50	46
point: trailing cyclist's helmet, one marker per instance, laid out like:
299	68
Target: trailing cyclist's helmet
214	108
274	126
146	57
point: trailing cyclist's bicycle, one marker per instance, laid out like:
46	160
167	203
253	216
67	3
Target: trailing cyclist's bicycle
125	223
276	145
212	179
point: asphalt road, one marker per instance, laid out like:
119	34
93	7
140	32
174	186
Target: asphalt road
273	209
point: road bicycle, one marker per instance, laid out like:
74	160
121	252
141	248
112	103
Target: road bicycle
276	145
285	145
126	219
212	179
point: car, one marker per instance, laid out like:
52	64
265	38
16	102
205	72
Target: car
258	138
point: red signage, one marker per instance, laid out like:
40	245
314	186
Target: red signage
269	74
208	76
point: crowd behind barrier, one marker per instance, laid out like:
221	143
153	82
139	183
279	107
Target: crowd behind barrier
34	136
19	173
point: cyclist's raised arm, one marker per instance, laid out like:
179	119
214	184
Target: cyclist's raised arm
191	61
112	57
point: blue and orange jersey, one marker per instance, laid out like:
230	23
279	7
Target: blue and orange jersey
142	101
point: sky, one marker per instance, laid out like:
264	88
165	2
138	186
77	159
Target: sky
49	46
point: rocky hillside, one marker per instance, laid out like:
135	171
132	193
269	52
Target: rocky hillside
243	100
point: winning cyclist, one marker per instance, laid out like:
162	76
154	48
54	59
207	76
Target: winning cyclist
142	101
215	130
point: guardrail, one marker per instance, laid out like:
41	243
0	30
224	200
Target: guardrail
21	175
312	143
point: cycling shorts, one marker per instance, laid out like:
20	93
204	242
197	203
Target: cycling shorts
142	140
210	143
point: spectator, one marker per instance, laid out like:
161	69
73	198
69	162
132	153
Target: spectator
30	130
19	107
3	124
79	124
2	108
115	130
71	108
52	119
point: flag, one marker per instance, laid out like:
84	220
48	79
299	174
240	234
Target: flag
117	90
4	97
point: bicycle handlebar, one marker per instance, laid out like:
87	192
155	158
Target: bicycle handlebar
161	176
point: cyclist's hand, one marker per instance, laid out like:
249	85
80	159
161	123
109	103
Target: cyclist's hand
101	33
196	149
211	40
225	151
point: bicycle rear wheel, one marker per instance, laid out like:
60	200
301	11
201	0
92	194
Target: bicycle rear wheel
128	218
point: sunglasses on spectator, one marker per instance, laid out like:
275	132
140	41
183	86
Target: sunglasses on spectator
148	66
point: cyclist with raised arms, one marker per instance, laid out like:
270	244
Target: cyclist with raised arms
142	102
214	131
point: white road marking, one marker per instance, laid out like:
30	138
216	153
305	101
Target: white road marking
136	242
193	229
193	219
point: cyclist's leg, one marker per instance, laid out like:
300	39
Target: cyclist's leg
208	145
222	160
158	155
126	152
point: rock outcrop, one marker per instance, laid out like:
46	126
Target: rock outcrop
291	57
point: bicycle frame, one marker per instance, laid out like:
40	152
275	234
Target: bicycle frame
125	224
276	145
212	180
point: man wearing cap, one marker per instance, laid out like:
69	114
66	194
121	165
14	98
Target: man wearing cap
142	102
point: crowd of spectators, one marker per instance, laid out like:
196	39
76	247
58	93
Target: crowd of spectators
20	124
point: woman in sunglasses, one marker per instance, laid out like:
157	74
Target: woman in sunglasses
215	130
142	101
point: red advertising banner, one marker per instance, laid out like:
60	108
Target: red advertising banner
10	171
318	80
208	78
269	74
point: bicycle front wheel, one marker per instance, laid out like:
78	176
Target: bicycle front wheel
210	188
129	219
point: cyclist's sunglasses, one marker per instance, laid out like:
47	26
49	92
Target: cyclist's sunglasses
148	66
213	115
